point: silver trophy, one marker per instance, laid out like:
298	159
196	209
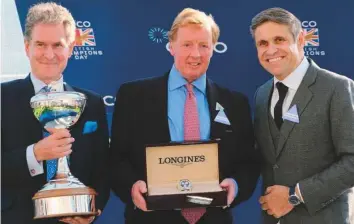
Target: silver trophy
64	195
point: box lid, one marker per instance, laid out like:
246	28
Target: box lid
169	163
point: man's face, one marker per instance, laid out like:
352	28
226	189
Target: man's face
192	50
278	52
48	51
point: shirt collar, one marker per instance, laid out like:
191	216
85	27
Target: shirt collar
176	80
293	80
38	84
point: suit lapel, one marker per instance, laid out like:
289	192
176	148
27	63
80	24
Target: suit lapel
301	99
156	116
264	114
77	128
67	87
25	94
161	99
213	97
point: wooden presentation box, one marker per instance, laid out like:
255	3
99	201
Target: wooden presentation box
183	175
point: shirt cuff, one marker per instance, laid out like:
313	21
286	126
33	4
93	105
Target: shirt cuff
236	187
300	195
35	168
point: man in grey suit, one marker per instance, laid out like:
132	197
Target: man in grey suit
304	126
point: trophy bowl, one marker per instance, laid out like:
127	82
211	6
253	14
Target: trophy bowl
64	195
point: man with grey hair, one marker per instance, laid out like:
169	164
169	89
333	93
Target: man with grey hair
304	127
26	150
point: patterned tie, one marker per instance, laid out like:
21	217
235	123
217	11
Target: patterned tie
53	163
191	132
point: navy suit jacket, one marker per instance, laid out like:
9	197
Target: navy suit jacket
140	117
19	129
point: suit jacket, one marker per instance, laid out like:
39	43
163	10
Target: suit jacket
317	152
140	118
19	129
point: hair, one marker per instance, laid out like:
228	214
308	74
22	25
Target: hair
189	16
50	13
277	15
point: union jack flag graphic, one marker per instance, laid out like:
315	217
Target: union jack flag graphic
85	37
311	37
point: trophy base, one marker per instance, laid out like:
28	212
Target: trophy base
59	199
63	206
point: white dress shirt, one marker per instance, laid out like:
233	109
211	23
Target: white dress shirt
36	167
293	82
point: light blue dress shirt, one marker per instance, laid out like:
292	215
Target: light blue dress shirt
177	93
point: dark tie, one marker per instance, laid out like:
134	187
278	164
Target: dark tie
278	109
191	132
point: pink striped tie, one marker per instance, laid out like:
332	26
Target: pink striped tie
191	132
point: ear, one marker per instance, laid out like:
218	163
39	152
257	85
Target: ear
71	48
212	50
171	47
27	43
301	40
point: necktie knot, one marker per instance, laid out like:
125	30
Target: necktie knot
189	88
46	89
282	89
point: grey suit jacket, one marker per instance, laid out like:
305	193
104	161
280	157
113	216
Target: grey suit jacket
317	152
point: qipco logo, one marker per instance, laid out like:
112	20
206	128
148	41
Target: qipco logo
219	47
109	100
83	24
308	24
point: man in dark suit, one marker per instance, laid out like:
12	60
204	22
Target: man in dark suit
304	125
49	40
153	111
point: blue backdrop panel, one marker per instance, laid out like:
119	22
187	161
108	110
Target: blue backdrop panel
120	41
